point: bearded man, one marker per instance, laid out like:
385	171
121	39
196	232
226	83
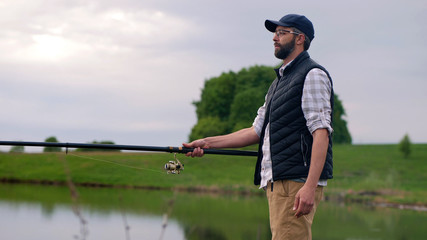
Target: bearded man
293	129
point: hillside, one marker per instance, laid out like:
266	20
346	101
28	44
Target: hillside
376	173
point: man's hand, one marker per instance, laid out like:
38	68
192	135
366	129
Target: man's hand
241	138
198	146
304	201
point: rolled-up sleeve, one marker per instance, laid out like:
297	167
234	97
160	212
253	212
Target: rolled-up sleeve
316	104
259	120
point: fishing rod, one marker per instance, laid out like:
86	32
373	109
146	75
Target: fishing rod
171	167
127	147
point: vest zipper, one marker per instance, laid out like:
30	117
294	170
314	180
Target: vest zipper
269	125
302	150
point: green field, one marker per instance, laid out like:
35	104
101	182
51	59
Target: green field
376	173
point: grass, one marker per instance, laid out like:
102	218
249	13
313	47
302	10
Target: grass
383	170
373	172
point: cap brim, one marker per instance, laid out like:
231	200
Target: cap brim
272	25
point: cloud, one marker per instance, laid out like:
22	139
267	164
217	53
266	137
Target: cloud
85	30
129	70
93	68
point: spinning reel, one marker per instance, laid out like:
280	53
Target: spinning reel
174	167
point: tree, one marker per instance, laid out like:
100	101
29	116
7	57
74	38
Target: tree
217	96
51	149
339	124
405	146
230	102
244	108
208	126
17	149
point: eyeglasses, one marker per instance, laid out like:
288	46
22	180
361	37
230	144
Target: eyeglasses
282	32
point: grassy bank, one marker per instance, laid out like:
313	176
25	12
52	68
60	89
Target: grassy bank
377	173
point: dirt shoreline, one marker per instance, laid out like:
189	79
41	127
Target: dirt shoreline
343	197
192	189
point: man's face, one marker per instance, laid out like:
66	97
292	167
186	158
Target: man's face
284	43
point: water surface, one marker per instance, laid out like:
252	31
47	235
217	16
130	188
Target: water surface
48	212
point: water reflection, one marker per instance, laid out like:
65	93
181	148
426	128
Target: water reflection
30	221
42	212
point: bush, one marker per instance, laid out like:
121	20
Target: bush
98	149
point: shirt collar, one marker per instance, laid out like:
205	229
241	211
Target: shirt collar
283	67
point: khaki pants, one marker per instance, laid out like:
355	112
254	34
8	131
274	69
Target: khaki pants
284	225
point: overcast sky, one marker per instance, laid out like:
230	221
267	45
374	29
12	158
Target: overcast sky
128	70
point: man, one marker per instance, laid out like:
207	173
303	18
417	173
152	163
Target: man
293	129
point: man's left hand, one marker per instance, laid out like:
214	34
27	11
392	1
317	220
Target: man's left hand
304	201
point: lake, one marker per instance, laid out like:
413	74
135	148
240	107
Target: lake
39	212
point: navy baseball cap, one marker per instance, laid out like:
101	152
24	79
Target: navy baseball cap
292	20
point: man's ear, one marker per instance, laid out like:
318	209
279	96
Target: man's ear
300	39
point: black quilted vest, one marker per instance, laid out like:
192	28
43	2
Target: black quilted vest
290	139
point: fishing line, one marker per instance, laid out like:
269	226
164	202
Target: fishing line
111	162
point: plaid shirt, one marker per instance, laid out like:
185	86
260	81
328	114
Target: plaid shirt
317	110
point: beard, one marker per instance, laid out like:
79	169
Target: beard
285	50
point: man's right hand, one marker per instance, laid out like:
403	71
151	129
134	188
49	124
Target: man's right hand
198	146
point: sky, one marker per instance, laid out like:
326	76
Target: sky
128	70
